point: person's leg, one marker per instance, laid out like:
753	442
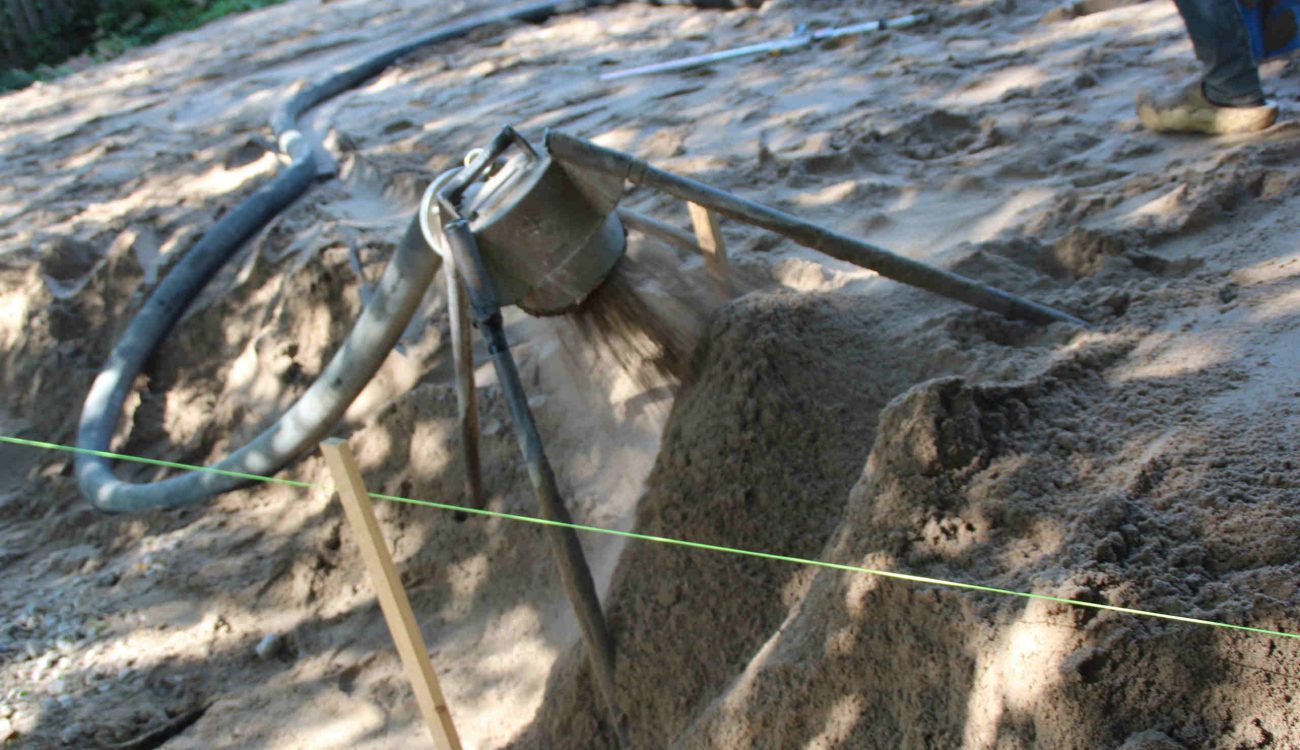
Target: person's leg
1228	97
1218	34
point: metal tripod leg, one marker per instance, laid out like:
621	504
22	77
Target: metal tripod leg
574	572
466	399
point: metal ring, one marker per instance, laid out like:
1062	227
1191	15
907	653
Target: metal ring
429	209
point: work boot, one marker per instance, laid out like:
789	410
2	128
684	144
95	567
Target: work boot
1188	111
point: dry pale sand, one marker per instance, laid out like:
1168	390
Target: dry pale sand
1148	462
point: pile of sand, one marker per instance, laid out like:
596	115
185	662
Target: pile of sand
827	413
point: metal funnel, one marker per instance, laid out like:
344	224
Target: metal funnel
547	238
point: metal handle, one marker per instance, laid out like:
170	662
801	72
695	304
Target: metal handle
449	197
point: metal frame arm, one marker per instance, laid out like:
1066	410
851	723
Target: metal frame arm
574	571
584	154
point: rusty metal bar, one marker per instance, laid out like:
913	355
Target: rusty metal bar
709	231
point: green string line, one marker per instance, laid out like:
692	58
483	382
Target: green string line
157	462
926	580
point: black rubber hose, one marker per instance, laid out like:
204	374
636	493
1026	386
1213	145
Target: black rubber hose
375	333
284	121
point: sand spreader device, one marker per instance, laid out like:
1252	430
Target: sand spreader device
540	230
538	227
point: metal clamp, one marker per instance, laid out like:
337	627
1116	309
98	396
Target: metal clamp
477	163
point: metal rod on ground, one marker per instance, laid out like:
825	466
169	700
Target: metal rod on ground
392	597
796	41
466	398
574	572
585	154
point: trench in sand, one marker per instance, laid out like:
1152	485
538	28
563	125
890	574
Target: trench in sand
995	143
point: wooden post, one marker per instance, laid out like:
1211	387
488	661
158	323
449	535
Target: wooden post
709	234
392	597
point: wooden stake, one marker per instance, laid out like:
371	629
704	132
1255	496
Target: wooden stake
392	597
709	234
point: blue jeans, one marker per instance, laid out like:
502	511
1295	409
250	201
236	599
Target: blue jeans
1218	34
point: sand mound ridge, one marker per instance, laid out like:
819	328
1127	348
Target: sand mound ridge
1148	462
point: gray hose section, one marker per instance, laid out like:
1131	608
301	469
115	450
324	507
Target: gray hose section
306	423
374	334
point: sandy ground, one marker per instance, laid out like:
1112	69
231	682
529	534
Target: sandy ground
1147	462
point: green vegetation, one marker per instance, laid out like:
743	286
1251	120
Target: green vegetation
38	36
